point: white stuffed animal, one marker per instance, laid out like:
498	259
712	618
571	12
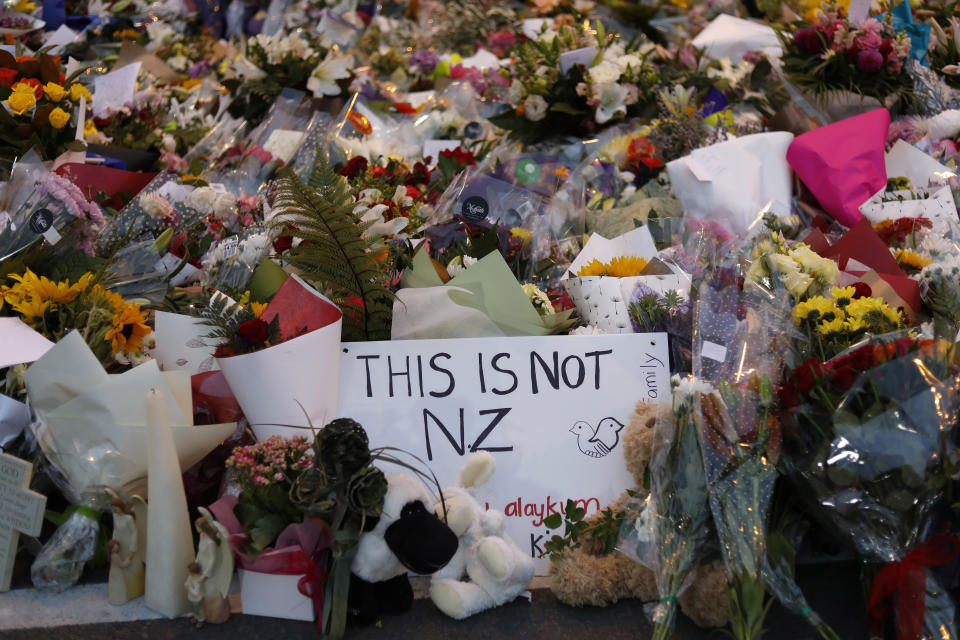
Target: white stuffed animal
495	568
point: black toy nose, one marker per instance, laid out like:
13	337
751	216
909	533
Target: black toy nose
420	540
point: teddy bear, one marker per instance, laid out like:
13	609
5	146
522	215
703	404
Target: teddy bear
495	568
585	575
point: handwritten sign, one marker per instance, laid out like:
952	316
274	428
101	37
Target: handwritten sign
21	511
550	409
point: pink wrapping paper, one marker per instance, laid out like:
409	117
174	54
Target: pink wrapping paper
843	163
296	545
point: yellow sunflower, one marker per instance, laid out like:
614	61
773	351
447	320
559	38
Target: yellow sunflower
128	330
620	267
46	289
911	259
32	308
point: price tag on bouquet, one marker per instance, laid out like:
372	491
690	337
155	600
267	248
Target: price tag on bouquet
41	223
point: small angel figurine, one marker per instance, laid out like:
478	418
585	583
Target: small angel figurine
127	549
215	560
194	587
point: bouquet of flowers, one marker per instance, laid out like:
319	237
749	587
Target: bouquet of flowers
266	472
832	55
116	331
38	105
867	444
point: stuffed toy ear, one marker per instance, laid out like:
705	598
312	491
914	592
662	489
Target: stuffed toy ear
420	540
478	469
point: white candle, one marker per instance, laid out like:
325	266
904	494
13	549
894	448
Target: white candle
170	543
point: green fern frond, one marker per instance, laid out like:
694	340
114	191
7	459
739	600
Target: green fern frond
333	254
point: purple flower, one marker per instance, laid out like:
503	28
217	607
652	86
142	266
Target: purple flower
869	61
808	41
425	60
200	69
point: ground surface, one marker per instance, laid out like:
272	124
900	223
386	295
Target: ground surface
832	590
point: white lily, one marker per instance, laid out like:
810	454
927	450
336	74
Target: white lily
323	81
613	99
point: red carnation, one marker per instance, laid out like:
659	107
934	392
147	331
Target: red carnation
7	77
253	331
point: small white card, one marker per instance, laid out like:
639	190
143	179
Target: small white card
584	56
714	351
115	89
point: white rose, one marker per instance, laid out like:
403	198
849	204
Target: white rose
169	142
604	73
535	108
223	206
202	199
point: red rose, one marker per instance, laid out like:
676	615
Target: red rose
7	77
356	167
253	331
412	192
863	290
461	157
377	172
282	243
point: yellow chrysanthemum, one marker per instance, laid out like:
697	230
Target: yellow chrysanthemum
54	91
862	306
77	91
25	6
128	330
843	295
258	308
245	298
837	325
911	259
893	315
814	308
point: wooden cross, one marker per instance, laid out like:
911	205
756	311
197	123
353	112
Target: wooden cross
21	511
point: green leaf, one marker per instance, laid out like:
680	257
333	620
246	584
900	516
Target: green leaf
563	107
553	521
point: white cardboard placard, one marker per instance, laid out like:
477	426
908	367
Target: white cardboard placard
276	596
522	400
115	89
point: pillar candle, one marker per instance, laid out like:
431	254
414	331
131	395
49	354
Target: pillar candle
170	543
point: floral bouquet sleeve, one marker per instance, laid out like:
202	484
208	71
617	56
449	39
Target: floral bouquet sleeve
739	347
867	444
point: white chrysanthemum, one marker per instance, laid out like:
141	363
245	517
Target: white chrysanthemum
458	265
943	125
589	330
